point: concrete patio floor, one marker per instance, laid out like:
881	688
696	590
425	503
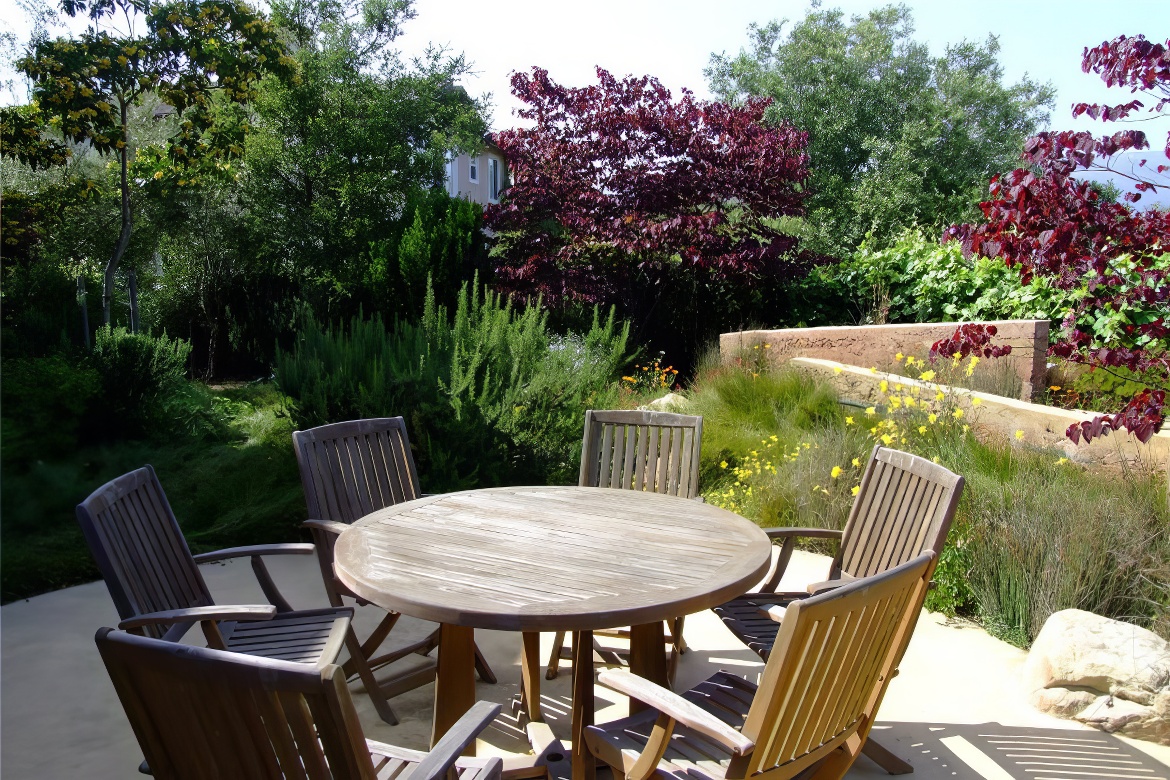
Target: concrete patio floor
59	716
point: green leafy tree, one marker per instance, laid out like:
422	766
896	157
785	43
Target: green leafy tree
897	137
200	57
337	157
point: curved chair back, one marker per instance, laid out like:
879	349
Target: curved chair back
350	469
638	450
905	506
139	548
200	713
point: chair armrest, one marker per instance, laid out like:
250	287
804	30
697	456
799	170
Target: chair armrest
448	749
811	533
295	548
328	526
193	614
820	587
679	709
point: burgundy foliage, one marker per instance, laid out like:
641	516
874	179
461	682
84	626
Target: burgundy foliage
1049	224
618	188
972	338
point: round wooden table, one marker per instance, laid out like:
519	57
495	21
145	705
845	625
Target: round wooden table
535	559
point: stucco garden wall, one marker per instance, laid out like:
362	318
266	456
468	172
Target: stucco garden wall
1042	426
875	345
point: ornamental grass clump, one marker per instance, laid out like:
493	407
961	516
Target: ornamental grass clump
1034	533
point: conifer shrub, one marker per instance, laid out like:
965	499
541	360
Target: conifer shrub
490	393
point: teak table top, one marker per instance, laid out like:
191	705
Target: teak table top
550	558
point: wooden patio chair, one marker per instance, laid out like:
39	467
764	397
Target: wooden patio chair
638	450
348	470
904	507
200	713
812	710
159	591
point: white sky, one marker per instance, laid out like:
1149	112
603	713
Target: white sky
674	39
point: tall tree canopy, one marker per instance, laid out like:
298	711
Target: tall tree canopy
198	56
336	155
895	136
624	196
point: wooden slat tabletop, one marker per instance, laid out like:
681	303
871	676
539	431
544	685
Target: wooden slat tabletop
550	558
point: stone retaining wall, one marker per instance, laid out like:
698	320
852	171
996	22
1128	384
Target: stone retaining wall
875	345
1043	426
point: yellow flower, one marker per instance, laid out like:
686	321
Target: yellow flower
910	402
848	420
806	445
957	413
1019	435
966	428
855	489
922	429
767	346
836	472
976	401
856	463
873	369
773	437
939	395
624	378
870	411
895	402
1054	388
722	464
910	361
887	439
926	376
158	174
1062	461
838	370
898	357
884	386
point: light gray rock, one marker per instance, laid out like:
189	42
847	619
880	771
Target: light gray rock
1103	672
671	402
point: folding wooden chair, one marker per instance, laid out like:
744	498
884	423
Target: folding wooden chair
638	450
812	710
200	713
159	591
348	470
905	507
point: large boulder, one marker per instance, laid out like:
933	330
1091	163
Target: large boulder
671	402
1109	674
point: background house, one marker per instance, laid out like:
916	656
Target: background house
480	178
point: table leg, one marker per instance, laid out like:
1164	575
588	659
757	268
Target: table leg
530	676
648	657
584	765
455	683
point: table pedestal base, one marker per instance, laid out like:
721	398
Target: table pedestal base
455	682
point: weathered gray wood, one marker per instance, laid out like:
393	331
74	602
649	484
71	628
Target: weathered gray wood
812	710
348	470
638	450
158	589
203	713
550	558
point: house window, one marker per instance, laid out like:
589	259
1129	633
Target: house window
494	178
473	170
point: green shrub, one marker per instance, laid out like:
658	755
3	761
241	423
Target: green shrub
137	374
45	401
490	394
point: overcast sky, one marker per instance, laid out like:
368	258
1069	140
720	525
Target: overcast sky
674	39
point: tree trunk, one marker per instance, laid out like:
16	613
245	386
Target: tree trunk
127	225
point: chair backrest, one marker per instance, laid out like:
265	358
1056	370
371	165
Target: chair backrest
833	656
200	713
350	469
139	548
905	506
637	450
